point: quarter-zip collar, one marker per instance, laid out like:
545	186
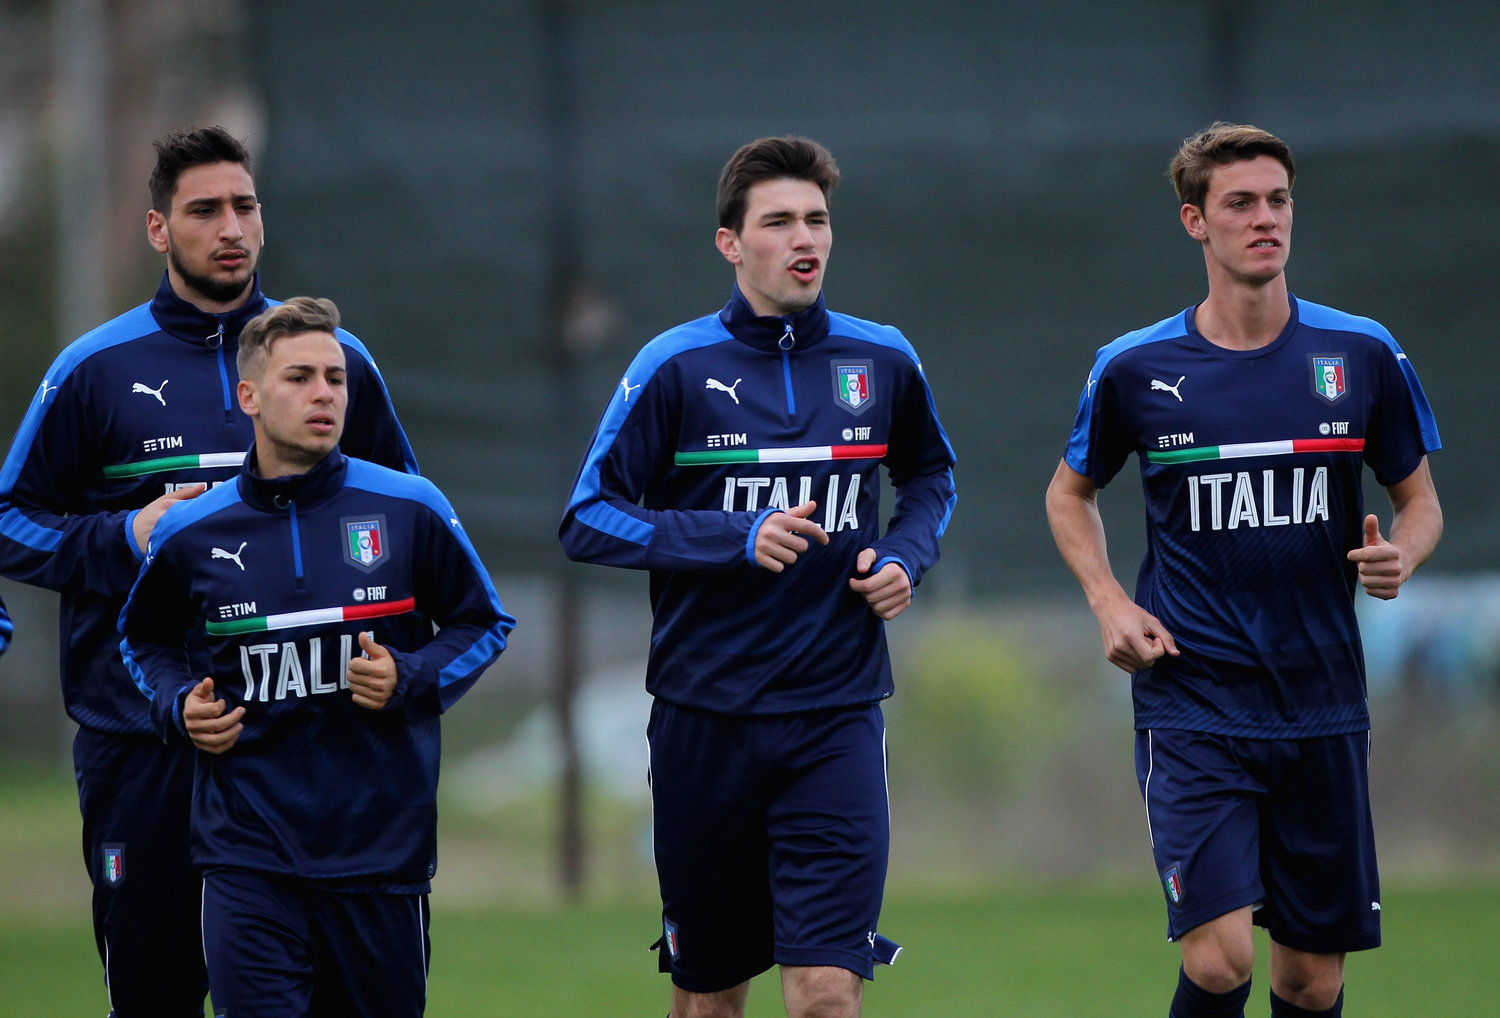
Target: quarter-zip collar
186	322
808	326
276	494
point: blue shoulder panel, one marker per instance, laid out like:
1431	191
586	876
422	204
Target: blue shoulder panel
366	476
871	332
185	514
363	475
1175	327
1319	316
352	341
694	335
892	338
133	324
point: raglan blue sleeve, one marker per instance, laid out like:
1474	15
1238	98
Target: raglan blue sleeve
454	591
1402	428
631	450
372	431
6	628
1100	443
154	627
44	539
920	461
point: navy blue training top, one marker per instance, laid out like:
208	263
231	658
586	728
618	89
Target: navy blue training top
282	575
141	405
718	423
1251	463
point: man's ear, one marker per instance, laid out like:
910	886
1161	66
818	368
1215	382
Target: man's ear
728	243
156	231
1192	221
248	397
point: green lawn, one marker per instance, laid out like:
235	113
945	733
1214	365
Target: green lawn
1042	950
1032	952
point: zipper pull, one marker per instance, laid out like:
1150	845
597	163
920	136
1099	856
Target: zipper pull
788	338
216	339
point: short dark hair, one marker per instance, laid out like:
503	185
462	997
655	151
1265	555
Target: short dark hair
771	159
188	147
1219	144
291	318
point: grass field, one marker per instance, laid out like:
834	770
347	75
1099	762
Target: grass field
1034	953
1038	950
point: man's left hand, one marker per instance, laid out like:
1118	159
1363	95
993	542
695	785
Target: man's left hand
372	678
887	592
1380	568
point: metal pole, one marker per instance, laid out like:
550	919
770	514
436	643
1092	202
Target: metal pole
568	657
81	127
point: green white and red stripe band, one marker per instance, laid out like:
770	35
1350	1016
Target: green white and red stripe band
790	454
165	463
1244	450
311	617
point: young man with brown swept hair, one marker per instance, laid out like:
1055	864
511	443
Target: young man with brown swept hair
738	462
1253	415
342	611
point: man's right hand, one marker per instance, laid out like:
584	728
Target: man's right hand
207	725
783	536
1133	638
145	521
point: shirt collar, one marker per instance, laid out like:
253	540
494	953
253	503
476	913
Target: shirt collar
765	332
276	494
187	322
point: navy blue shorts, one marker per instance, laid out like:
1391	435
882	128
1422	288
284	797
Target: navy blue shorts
135	793
279	947
1280	824
772	836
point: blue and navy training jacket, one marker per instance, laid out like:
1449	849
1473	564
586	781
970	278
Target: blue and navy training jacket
139	406
724	420
5	628
282	575
1252	463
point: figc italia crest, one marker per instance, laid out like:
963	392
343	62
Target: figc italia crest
1328	377
364	542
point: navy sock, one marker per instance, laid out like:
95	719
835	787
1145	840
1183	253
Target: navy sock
1285	1009
1193	1001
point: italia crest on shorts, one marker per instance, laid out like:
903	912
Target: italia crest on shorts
364	542
1171	882
114	865
1328	377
